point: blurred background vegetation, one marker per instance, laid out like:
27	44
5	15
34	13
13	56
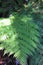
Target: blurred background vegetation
9	6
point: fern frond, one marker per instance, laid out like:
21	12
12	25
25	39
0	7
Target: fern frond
21	36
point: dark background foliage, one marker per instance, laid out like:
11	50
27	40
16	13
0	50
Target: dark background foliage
9	6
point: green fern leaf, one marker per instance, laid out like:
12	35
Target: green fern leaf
19	36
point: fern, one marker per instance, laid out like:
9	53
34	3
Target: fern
37	58
20	36
22	32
